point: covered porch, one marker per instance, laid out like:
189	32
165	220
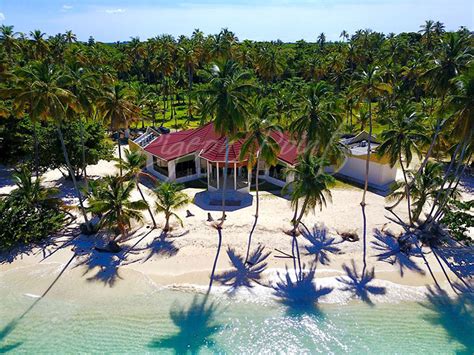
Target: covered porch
238	176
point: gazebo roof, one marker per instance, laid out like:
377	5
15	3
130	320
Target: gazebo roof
211	146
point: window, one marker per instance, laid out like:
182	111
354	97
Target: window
185	167
203	166
160	166
278	172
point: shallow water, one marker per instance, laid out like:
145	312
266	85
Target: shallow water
169	321
134	315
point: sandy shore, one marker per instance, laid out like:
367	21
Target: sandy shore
187	254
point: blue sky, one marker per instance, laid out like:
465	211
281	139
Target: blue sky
112	20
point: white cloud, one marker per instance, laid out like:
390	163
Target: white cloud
115	11
2	17
66	8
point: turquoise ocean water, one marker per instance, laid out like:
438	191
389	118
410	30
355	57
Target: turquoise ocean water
166	321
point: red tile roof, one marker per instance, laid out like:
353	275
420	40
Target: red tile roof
211	145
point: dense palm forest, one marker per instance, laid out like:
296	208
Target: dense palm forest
413	91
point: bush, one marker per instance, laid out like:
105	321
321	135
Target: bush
458	219
22	225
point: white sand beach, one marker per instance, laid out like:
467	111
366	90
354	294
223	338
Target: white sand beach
185	256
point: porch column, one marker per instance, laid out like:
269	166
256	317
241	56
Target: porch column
235	176
208	177
217	168
171	170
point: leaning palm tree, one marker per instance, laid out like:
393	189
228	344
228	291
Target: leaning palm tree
368	87
133	165
312	185
259	145
227	93
404	136
43	94
115	206
423	188
118	109
169	197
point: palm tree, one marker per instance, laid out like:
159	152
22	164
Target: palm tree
70	37
227	93
427	30
259	145
321	40
8	40
83	84
317	117
41	91
368	87
32	192
405	134
169	198
312	184
344	35
423	187
118	110
114	204
133	164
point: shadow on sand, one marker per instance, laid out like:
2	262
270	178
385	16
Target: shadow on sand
244	274
321	245
300	295
454	314
396	251
359	285
196	326
162	245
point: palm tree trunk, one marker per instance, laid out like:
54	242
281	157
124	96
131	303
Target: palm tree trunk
366	186
71	172
120	154
190	88
219	234
293	232
35	137
83	150
167	222
256	208
148	206
407	188
226	167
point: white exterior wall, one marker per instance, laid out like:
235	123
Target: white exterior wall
380	175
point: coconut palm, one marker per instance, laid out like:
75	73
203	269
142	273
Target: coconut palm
423	188
227	93
115	206
133	165
312	184
404	136
41	91
259	145
317	117
169	197
32	192
368	87
118	109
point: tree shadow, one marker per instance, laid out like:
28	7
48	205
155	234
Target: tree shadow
455	315
107	263
242	273
321	245
397	251
300	295
359	285
196	326
4	332
162	245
